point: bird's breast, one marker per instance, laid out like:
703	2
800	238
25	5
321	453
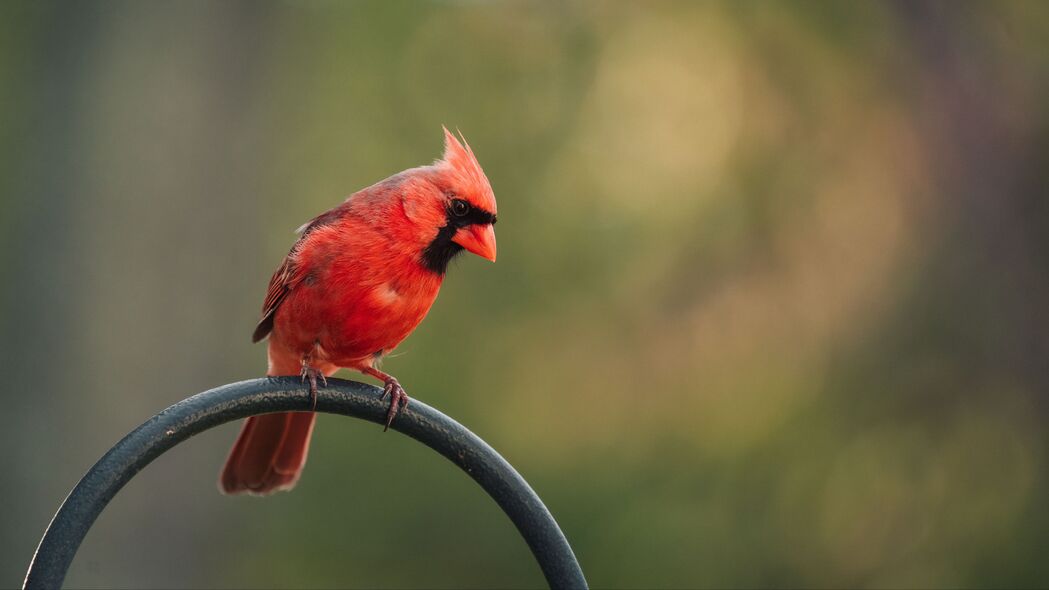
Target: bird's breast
377	316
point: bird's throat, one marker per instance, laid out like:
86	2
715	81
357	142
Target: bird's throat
441	250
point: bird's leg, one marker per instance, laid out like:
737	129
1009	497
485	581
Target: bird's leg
398	397
308	372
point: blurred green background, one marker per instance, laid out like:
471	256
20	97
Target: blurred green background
770	307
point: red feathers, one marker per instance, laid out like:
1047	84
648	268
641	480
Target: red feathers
359	280
269	454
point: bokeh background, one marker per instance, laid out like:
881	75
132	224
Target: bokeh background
770	307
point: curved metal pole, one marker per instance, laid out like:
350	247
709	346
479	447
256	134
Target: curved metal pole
282	394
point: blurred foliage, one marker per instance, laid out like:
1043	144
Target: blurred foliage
770	307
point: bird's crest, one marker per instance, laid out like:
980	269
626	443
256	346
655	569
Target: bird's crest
459	160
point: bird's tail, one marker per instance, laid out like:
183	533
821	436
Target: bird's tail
271	450
269	454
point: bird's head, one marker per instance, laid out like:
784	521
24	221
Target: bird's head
460	207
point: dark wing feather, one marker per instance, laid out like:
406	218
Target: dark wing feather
288	275
281	284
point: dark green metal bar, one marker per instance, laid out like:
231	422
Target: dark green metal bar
282	394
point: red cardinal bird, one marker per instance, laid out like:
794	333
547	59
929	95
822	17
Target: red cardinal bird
359	279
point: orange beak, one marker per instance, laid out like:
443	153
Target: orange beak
479	239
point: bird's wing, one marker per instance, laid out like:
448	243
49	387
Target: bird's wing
287	275
281	283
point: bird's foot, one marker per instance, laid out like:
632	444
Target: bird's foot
398	400
312	374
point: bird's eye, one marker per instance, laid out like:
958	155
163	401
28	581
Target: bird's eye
460	207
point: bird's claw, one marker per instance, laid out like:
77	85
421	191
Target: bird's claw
312	374
398	400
